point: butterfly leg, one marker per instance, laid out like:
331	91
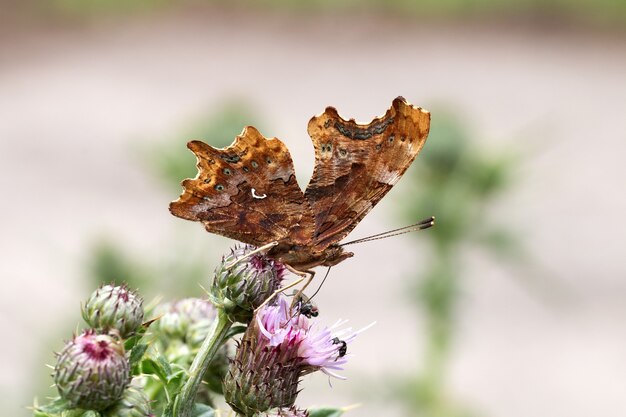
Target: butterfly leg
278	291
249	254
308	275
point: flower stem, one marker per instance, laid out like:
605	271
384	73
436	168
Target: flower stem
184	404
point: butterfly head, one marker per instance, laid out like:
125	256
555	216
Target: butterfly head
335	254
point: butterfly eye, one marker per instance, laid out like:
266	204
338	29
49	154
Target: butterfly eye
219	187
402	138
391	138
206	181
227	171
378	147
254	164
343	152
269	161
246	169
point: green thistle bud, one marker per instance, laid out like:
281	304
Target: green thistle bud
114	307
134	403
92	371
187	320
246	285
261	377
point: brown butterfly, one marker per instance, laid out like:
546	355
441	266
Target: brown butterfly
248	191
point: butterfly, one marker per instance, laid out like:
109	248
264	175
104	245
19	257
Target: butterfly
248	190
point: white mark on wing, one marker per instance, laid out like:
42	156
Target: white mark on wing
258	196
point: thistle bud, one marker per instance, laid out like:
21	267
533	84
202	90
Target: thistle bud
92	371
188	320
279	346
114	307
134	403
240	287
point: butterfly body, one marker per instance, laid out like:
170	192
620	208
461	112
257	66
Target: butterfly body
248	191
302	258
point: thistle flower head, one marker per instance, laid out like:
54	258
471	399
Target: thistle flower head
322	349
242	283
279	346
92	371
114	307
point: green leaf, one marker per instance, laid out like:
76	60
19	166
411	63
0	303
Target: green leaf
175	380
235	330
90	413
158	367
165	365
80	413
130	343
202	410
325	412
134	340
136	354
169	410
56	406
61	408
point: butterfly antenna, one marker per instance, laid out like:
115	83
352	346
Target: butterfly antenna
321	284
424	224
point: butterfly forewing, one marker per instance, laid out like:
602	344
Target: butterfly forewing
356	165
247	191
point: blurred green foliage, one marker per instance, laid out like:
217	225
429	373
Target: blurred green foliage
594	12
177	273
84	8
109	263
456	180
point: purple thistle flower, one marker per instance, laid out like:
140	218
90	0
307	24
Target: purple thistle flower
280	346
318	348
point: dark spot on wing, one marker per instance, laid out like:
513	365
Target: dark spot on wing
352	131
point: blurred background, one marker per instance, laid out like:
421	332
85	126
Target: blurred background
513	305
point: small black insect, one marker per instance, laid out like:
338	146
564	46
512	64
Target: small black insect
307	308
343	349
